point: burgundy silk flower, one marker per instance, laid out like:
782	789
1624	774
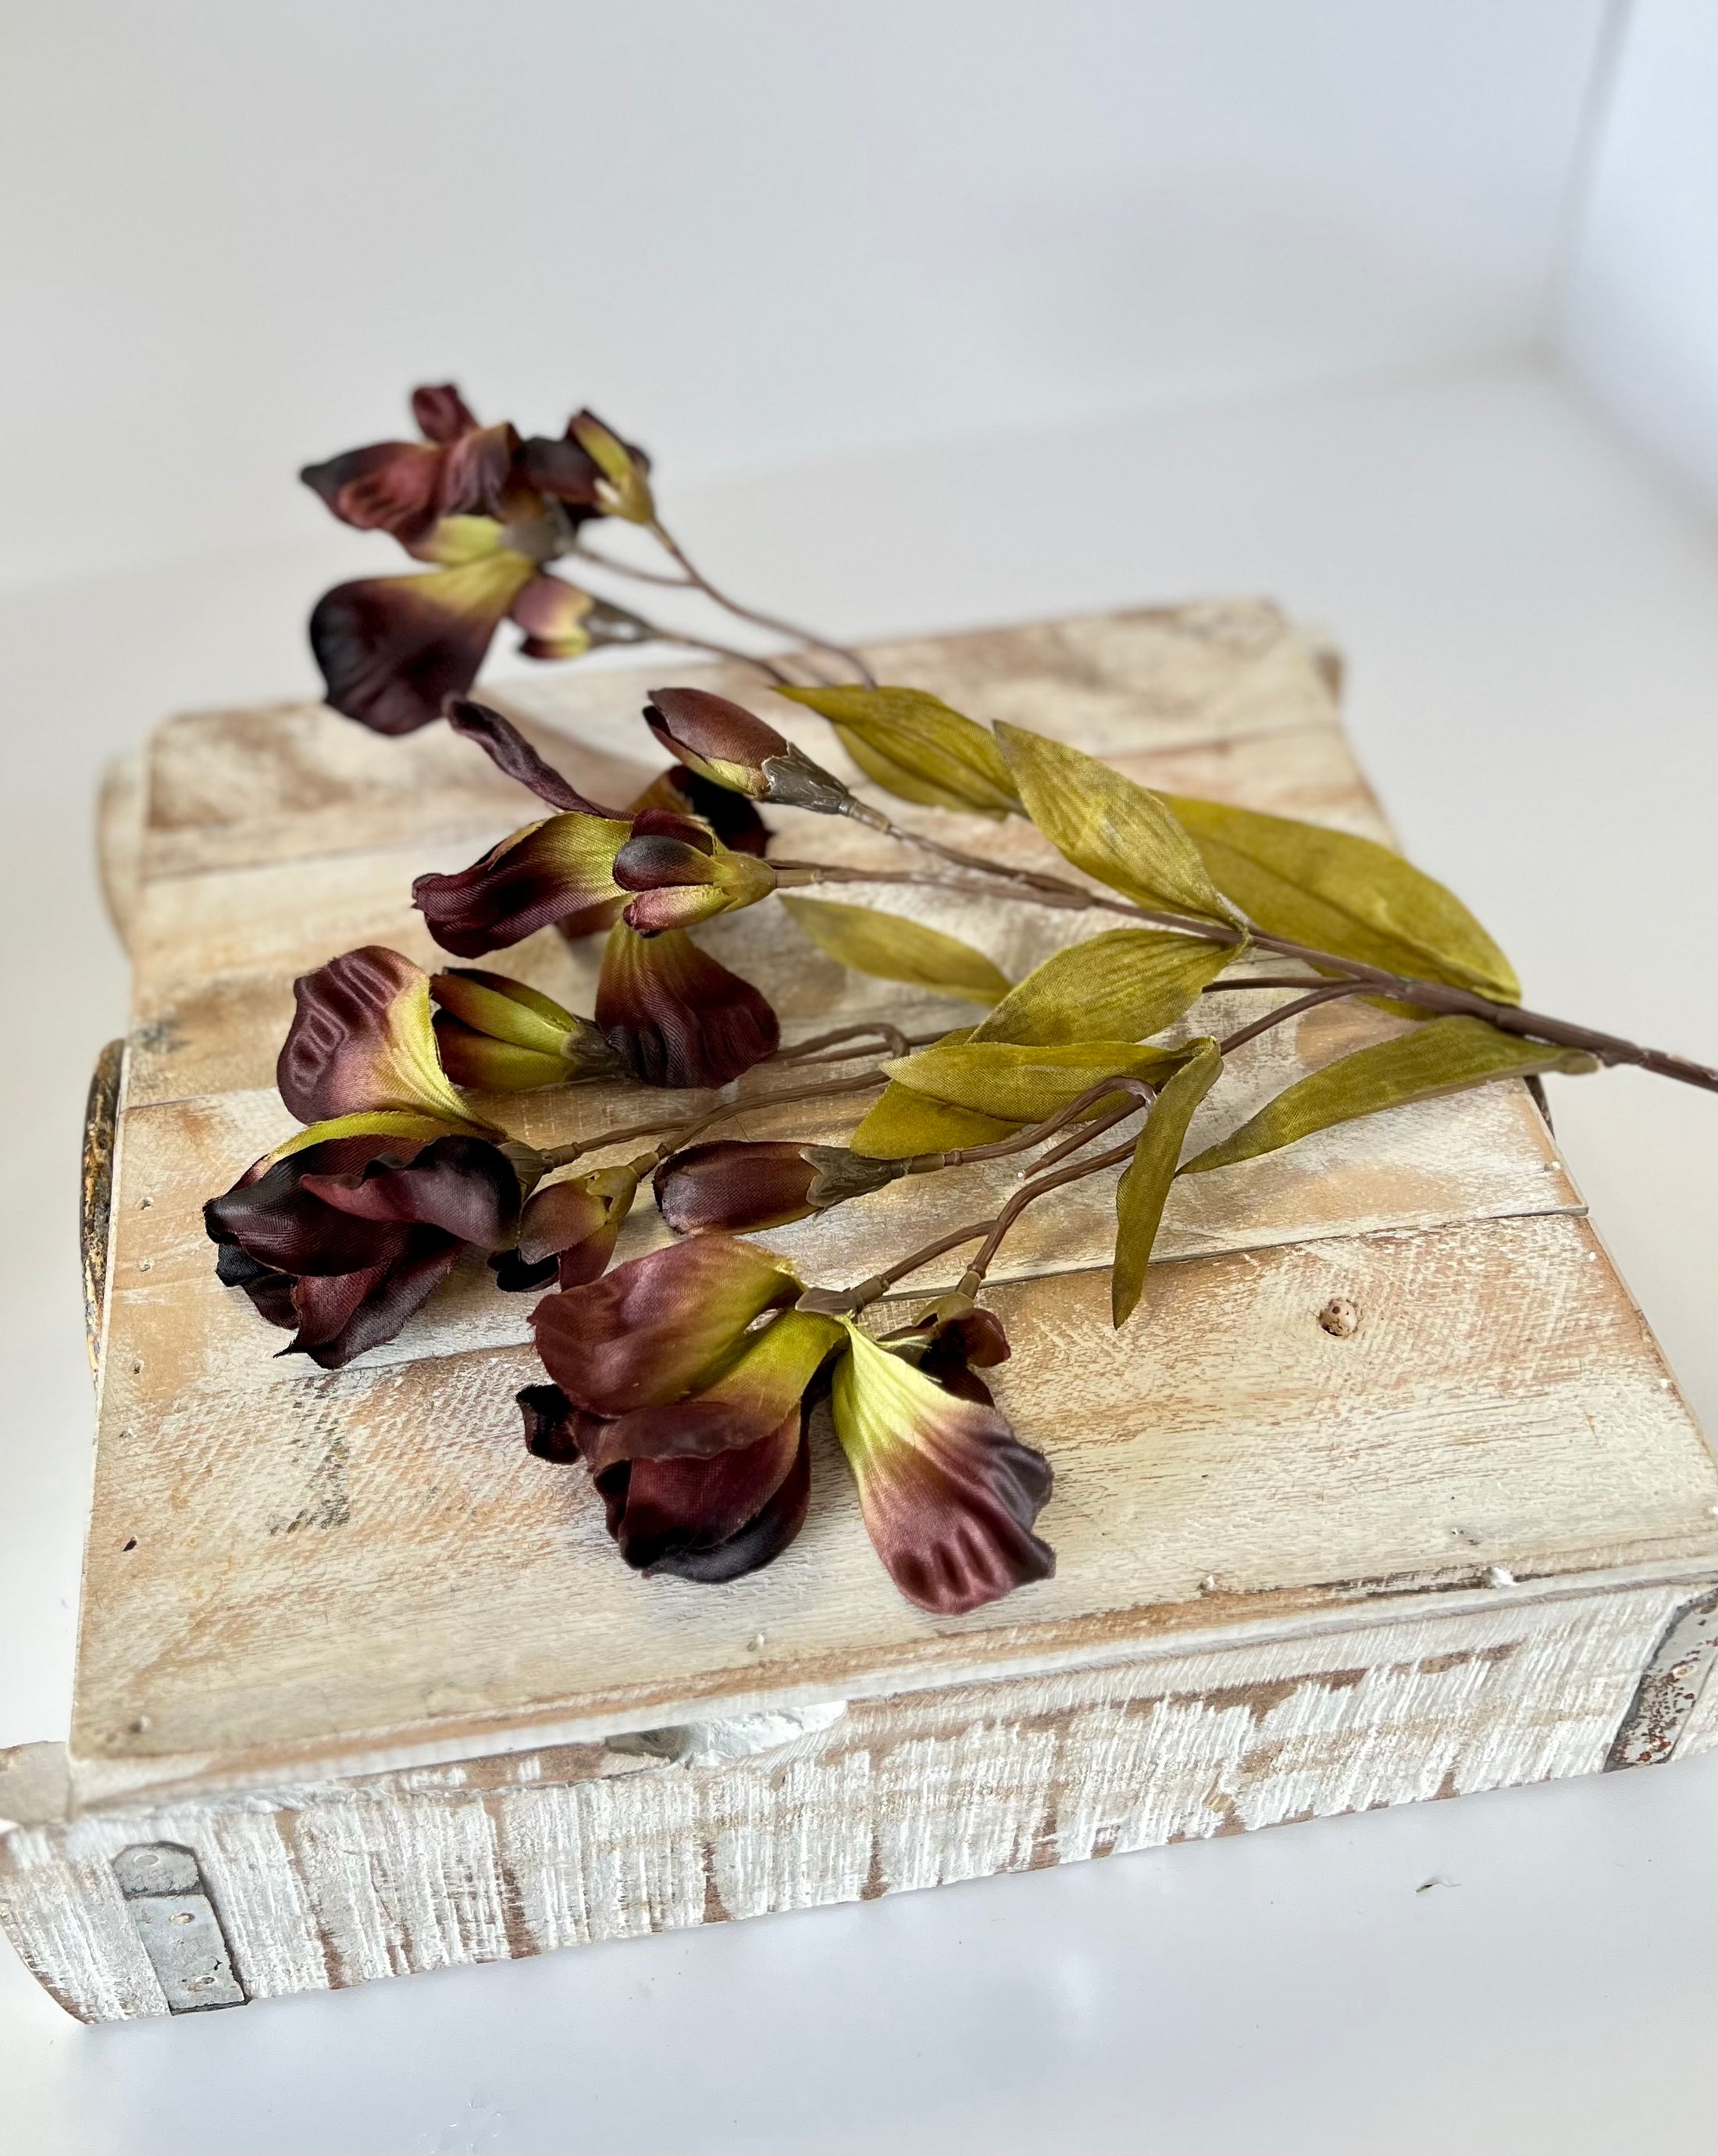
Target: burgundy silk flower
675	1016
690	1415
489	512
342	1240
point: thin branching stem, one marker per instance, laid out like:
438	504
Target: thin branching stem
671	546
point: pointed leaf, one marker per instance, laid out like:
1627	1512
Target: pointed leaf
1146	1180
1345	894
1113	829
1020	1083
1443	1055
917	746
1125	984
896	949
904	1122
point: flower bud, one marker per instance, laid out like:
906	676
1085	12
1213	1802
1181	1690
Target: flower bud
722	740
683	876
500	1036
622	487
738	1184
568	1230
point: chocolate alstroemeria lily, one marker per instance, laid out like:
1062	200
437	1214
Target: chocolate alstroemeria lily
489	510
344	1231
688	1414
948	1492
344	1237
691	1415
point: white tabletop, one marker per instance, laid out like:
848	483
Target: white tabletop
1531	620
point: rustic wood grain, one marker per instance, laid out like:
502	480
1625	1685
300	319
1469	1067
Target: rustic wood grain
288	1567
327	1885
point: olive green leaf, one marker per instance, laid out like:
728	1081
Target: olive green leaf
1442	1055
1145	1181
896	949
1113	829
1345	894
1022	1083
1125	984
904	1122
917	746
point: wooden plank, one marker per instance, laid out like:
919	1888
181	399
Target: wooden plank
336	1884
373	1552
287	1565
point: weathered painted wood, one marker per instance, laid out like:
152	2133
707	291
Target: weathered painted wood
333	1884
1223	1443
1299	1572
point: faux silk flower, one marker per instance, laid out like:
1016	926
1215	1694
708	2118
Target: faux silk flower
674	1361
690	1415
500	1036
490	511
948	1492
738	1185
345	1236
362	1038
568	1230
675	1015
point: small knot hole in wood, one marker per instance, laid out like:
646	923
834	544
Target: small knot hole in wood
1340	1317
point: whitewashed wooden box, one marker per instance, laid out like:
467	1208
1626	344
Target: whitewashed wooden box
362	1688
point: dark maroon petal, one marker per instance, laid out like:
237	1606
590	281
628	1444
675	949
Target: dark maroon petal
281	1225
392	649
442	413
510	752
514	1276
563	470
475	472
732	816
658	859
674	1016
948	1492
544	874
385	486
465	1187
552	1424
648	1331
762	1538
734	1184
674	1506
271	1292
712	729
361	1037
390	1296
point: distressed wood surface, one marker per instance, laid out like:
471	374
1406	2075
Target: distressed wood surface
292	1571
323	1885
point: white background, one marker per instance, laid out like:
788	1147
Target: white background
1402	311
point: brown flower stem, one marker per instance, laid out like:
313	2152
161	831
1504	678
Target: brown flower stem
1436	996
1081	1139
1327	993
1261	981
679	1129
1140	1094
838	1302
625	568
889	1037
765	666
1039	1187
665	539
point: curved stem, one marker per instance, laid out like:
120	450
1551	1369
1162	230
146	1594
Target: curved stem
665	539
1327	993
602	560
1436	996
